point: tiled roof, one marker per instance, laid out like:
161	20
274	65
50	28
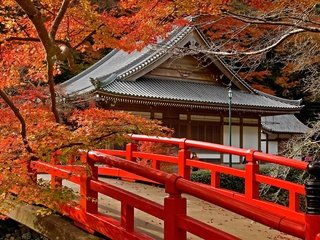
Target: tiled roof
121	65
116	74
283	124
191	92
114	63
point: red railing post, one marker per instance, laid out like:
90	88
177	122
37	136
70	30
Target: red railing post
88	198
55	182
174	205
313	202
215	179
155	164
127	216
183	155
294	201
252	168
130	148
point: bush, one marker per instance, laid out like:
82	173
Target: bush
267	192
226	181
232	183
201	176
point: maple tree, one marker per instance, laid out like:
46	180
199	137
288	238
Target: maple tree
254	37
86	129
38	37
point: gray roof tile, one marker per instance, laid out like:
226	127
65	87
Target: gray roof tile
283	124
113	70
122	63
191	92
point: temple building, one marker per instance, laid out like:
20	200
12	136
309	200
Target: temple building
190	93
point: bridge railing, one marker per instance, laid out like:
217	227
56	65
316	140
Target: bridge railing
251	173
286	219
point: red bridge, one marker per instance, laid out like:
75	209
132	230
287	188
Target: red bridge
288	219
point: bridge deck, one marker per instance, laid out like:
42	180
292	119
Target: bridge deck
211	214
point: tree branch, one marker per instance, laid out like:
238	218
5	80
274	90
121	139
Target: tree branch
54	27
52	87
87	37
35	17
32	39
81	143
245	53
17	113
258	20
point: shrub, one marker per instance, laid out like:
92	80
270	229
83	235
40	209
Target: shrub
267	192
226	181
201	176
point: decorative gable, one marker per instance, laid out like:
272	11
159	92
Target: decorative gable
185	68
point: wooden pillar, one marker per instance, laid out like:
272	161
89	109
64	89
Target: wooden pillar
174	205
259	133
252	168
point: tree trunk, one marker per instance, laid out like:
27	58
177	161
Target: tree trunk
54	109
17	113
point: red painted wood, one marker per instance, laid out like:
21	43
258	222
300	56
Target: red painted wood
298	188
127	216
203	230
252	168
55	181
265	217
138	202
88	197
174	213
174	206
312	227
130	148
215	179
183	169
162	158
268	218
103	224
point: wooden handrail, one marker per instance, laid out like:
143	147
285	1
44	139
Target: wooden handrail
176	221
209	194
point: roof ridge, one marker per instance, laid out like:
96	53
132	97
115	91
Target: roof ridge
168	43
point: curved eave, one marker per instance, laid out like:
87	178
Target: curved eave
287	101
271	131
191	104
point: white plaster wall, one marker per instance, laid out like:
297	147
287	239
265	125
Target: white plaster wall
251	138
273	147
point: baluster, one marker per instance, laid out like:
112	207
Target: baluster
88	197
252	168
174	205
127	216
215	179
183	155
130	148
55	182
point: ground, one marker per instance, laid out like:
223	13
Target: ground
225	220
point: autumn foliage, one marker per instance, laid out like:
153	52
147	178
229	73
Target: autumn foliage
40	38
84	129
